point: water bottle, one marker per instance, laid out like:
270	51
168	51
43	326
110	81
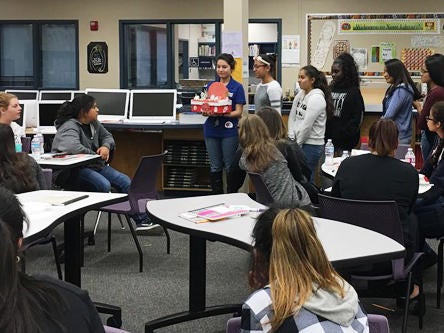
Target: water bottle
329	152
35	147
345	154
39	135
410	157
18	143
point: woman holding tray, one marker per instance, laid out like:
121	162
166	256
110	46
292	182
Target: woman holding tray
220	131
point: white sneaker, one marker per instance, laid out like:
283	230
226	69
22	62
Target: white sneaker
149	229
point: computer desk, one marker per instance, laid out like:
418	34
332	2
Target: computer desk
44	217
70	161
345	245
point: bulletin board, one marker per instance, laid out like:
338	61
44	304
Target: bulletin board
373	39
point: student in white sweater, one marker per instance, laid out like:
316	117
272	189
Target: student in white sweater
308	115
268	91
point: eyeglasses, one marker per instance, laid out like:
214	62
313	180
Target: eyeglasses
95	106
257	66
430	118
423	71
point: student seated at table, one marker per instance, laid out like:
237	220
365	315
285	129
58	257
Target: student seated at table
380	176
39	303
298	290
260	155
10	110
18	171
79	132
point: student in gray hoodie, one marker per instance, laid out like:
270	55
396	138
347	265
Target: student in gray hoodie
298	289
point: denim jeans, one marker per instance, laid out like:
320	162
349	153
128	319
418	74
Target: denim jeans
87	179
221	152
312	154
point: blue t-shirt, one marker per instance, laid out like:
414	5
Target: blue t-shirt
220	126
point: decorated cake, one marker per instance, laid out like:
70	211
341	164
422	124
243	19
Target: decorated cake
215	100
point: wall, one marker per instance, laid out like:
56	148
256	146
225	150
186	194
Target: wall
108	13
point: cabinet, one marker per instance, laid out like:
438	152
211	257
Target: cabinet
186	166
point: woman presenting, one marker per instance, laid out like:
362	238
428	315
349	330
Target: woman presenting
220	131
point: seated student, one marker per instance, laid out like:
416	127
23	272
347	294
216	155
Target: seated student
79	132
39	303
18	171
260	155
430	205
10	111
298	289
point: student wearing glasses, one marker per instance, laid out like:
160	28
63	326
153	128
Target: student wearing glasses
79	132
432	74
268	91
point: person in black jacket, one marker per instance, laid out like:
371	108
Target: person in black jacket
35	303
345	125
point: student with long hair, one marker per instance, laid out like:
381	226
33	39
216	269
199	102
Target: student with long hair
309	112
10	111
399	96
260	155
79	132
220	131
268	91
432	74
18	171
36	304
298	288
344	127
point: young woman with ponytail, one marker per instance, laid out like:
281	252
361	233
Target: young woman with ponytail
36	304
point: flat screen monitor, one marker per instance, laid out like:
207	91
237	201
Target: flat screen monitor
48	112
29	113
25	95
112	103
55	95
153	105
77	93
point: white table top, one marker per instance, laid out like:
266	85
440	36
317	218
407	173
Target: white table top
331	169
68	162
43	215
342	242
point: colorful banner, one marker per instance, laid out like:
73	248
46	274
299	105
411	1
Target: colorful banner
389	26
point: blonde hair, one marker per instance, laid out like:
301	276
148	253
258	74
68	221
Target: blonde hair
298	264
5	99
258	146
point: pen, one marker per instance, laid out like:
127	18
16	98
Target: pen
67	202
382	307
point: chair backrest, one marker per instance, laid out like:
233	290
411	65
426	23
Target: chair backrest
379	216
402	150
26	144
233	325
47	176
144	183
378	324
263	195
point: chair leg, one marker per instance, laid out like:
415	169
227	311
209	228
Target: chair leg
82	233
407	301
99	215
56	257
109	232
136	241
168	238
439	274
122	226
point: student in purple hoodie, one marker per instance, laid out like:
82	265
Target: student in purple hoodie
397	103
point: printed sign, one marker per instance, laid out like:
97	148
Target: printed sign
97	57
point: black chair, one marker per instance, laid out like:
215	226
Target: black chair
142	189
263	195
382	217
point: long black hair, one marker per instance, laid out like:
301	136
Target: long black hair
349	68
320	82
396	69
73	109
25	303
437	111
15	168
435	66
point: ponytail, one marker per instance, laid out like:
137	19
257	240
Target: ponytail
320	82
71	109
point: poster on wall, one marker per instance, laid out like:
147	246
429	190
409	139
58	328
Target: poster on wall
97	53
232	43
291	50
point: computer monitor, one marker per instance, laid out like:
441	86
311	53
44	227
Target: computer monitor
56	95
25	95
112	103
48	112
153	105
29	113
76	93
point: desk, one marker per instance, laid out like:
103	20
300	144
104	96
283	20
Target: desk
44	217
64	163
355	245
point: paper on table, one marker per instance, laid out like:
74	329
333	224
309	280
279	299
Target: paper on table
217	212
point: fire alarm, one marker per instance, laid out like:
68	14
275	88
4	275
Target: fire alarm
93	25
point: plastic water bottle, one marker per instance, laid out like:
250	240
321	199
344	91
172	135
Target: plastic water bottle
410	157
35	147
329	152
345	154
39	135
18	143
